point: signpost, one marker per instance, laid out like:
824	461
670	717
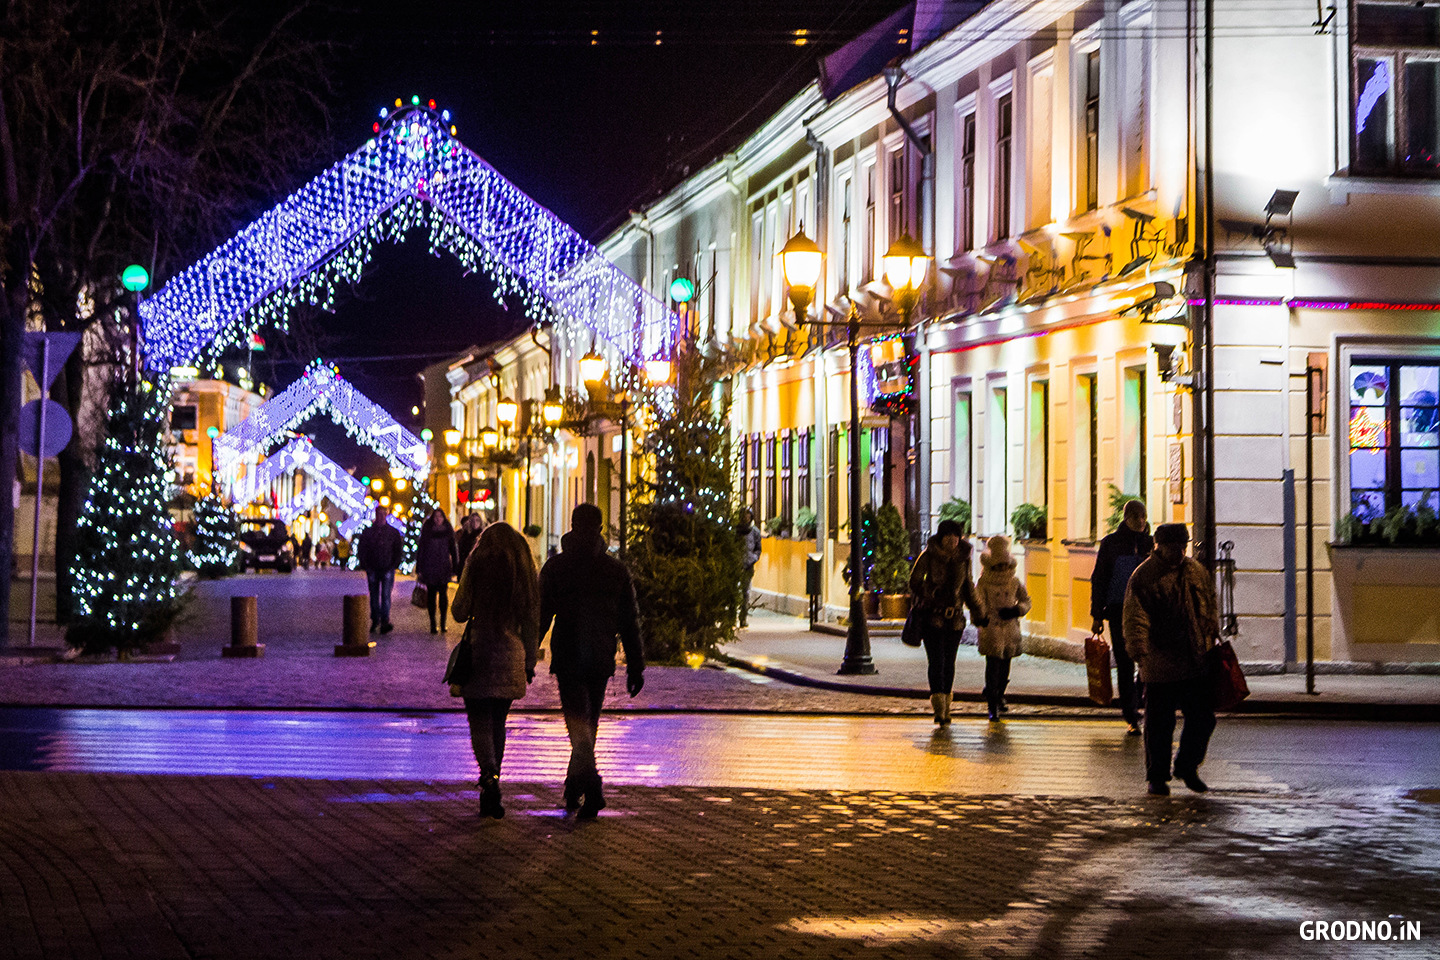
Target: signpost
44	431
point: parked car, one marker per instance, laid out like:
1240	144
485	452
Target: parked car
265	543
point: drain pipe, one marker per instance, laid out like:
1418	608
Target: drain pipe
894	73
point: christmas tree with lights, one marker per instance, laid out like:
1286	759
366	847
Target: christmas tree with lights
683	550
216	528
420	511
128	557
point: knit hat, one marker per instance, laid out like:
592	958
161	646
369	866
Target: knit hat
1176	533
997	552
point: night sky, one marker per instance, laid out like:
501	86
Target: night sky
590	130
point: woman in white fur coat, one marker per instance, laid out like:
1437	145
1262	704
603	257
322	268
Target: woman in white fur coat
1000	592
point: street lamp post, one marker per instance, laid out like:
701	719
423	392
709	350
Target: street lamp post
905	267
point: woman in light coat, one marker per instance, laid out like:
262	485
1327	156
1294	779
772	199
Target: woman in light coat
1004	596
499	596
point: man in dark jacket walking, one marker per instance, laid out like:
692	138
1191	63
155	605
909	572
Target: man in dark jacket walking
590	598
378	551
1120	553
1172	621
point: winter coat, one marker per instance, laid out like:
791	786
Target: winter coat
940	583
379	548
750	545
1171	620
590	598
1120	553
466	538
502	657
436	558
999	590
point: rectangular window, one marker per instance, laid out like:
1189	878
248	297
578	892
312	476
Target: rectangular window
1135	122
757	266
879	465
867	249
1038	443
924	193
744	472
787	478
997	461
1090	148
756	506
183	417
802	470
967	182
960	477
771	504
1132	440
845	234
1004	133
1395	88
772	292
1087	456
1394	440
898	220
832	485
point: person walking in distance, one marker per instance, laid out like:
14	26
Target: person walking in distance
470	529
1000	592
750	555
1120	553
378	549
1171	621
941	588
589	597
437	558
498	598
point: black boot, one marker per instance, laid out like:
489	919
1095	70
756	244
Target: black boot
490	797
593	802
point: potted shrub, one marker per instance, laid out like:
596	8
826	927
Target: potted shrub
778	526
957	509
891	574
805	523
1028	521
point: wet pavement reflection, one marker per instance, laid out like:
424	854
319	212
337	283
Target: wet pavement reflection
1026	756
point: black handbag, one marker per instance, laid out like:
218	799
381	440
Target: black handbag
458	670
910	633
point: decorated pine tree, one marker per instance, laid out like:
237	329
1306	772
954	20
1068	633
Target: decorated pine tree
128	557
216	526
420	511
683	550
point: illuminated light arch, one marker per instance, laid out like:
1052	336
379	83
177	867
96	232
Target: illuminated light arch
413	173
320	389
325	478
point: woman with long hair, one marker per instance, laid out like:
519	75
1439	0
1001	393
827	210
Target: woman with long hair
498	599
436	561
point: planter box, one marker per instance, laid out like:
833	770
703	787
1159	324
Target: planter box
894	606
1387	602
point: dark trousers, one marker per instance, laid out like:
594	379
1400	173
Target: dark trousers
1193	699
745	579
380	584
487	732
997	678
1132	691
580	701
437	593
940	646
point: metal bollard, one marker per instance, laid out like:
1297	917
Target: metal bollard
357	627
244	629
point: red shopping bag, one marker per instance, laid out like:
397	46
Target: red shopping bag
1097	669
1227	680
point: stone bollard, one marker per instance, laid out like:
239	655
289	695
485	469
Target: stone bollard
244	628
357	627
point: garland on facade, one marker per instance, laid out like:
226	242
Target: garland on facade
891	403
216	528
128	557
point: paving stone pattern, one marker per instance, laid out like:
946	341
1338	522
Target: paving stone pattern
180	867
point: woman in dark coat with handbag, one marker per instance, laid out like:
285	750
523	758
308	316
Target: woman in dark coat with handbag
499	596
436	561
940	588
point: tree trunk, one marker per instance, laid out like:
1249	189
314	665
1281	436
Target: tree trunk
74	483
12	367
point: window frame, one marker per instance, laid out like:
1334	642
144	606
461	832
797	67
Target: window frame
1003	180
1399	56
1393	490
968	134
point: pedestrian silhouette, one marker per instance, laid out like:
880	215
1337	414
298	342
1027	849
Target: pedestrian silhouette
379	549
941	588
1119	555
498	601
437	559
589	597
1005	598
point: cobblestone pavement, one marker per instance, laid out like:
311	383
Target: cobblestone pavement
96	865
300	624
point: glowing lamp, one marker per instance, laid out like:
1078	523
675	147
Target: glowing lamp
400	483
553	410
906	264
377	484
592	367
657	370
384	501
489	438
452	459
800	261
506	411
365	481
681	290
135	278
427	434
